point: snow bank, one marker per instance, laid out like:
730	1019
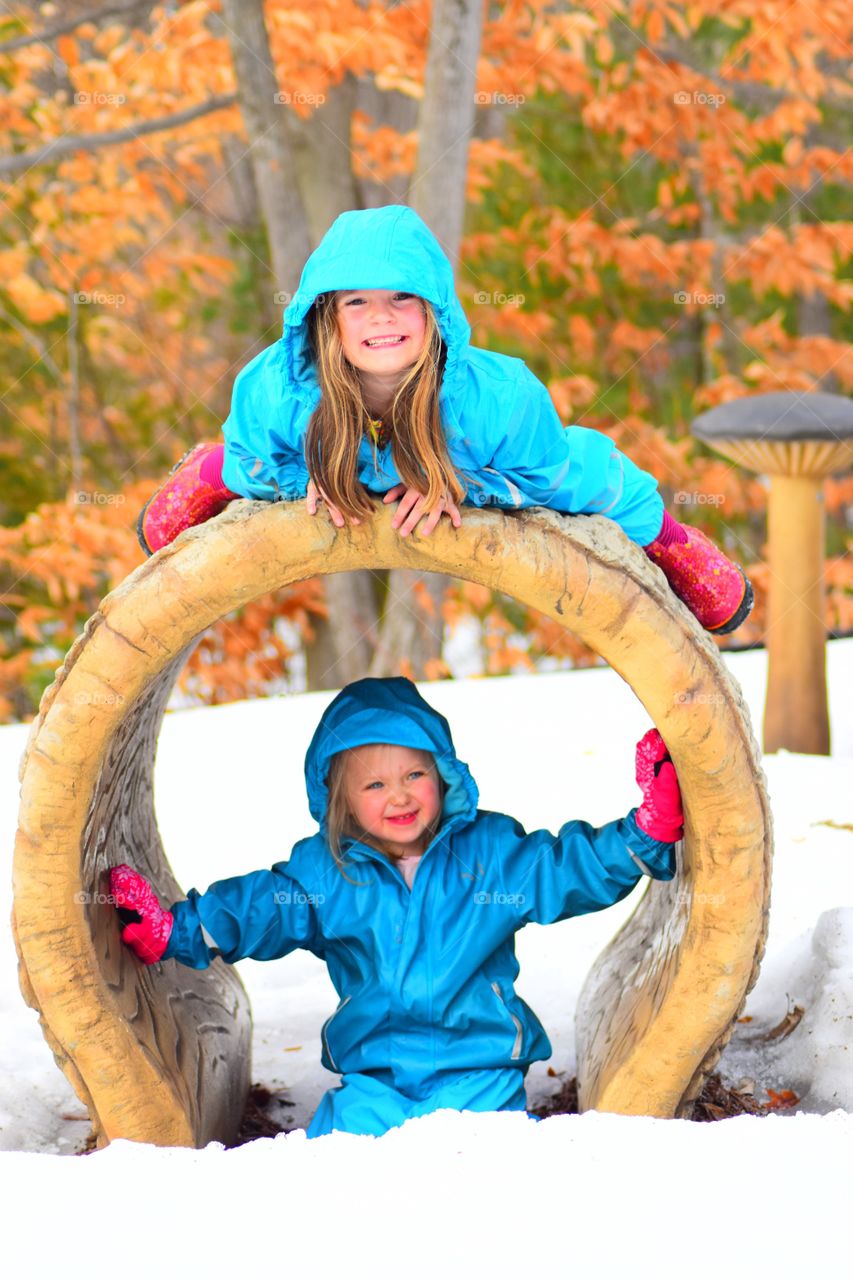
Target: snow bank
497	1193
814	974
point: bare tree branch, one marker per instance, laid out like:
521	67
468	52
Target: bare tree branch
71	142
142	7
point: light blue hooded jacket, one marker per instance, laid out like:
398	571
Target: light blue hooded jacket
424	975
500	423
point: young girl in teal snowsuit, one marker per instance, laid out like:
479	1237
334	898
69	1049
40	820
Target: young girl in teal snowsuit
413	897
374	389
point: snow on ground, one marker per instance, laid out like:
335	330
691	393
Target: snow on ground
489	1193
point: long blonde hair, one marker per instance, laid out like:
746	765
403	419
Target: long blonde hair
418	446
340	823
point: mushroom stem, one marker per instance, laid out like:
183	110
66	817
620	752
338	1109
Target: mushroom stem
795	716
797	438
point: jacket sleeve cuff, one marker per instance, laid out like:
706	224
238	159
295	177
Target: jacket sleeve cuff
654	858
189	942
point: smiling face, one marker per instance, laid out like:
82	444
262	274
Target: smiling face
382	332
393	795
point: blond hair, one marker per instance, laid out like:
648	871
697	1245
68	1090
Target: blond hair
340	823
418	445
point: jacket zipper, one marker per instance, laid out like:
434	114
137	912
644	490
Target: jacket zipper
519	1030
325	1030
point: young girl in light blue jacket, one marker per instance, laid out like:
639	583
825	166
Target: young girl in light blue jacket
413	897
374	388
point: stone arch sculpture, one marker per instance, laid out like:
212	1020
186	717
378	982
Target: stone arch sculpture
162	1054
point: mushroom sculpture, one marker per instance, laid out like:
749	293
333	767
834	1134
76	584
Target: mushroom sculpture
797	439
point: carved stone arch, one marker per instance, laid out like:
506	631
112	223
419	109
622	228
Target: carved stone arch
161	1054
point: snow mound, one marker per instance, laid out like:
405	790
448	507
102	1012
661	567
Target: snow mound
814	1057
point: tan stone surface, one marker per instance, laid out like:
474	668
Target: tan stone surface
162	1054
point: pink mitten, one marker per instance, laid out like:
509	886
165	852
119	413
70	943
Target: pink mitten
148	936
660	814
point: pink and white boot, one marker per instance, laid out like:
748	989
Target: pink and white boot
716	591
192	493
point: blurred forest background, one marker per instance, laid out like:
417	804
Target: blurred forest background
652	209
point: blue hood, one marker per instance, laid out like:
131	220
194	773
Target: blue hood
388	248
391	710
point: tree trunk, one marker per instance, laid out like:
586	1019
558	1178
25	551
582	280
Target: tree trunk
446	120
346	639
303	174
273	162
393	110
410	632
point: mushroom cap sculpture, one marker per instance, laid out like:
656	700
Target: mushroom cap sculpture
797	438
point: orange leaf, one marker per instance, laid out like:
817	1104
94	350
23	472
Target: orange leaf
66	47
784	1098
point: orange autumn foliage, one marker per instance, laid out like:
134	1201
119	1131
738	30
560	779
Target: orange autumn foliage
679	191
56	567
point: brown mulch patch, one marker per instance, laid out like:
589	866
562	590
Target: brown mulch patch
257	1121
717	1101
562	1103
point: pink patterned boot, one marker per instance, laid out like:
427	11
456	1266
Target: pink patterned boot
715	590
193	493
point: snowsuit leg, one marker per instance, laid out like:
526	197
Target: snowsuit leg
364	1104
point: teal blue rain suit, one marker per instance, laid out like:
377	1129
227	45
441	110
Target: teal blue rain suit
428	1016
500	423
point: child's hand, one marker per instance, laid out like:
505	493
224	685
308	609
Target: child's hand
660	815
412	509
314	495
147	937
